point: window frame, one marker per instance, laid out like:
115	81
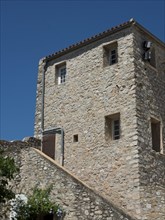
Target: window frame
114	129
110	58
111	128
61	75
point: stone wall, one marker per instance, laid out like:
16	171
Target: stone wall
90	93
76	198
128	171
150	99
150	89
38	112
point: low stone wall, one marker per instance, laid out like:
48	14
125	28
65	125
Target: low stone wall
16	145
76	198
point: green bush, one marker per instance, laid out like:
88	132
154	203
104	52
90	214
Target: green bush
7	171
38	204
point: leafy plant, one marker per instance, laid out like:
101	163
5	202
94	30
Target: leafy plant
7	171
38	204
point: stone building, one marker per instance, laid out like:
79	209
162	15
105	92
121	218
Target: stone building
101	113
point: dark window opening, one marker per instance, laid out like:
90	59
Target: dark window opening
75	138
116	129
155	131
113	57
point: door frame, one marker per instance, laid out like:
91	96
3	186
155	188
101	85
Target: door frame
57	130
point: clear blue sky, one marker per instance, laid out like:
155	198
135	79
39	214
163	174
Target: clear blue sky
31	30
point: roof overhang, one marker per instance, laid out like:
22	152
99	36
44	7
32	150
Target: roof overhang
101	35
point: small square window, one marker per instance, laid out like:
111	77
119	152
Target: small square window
75	138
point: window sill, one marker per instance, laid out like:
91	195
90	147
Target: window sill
60	84
111	141
110	65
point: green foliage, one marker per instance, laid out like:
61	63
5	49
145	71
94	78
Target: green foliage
38	204
7	171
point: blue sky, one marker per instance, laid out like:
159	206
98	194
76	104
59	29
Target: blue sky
31	30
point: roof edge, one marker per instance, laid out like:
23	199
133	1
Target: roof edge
99	36
89	40
139	26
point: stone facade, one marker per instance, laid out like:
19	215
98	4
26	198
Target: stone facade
150	99
128	171
77	199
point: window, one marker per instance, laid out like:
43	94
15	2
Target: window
116	129
156	134
149	53
113	57
110	56
75	138
112	127
61	74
